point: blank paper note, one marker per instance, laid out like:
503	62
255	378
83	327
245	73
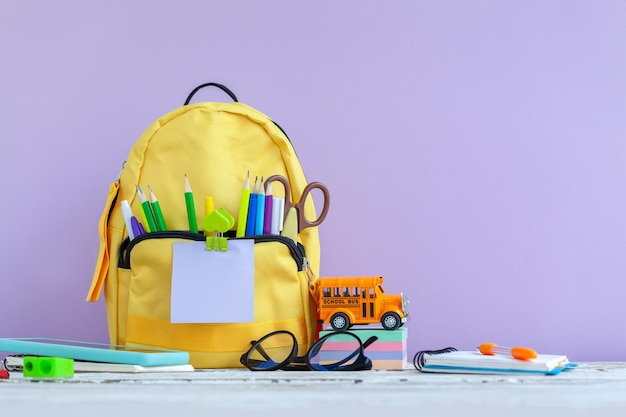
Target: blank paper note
212	286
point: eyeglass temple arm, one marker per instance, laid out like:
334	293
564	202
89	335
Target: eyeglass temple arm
260	349
369	341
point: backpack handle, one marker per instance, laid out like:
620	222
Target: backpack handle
220	86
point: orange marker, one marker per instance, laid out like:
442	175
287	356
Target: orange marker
518	352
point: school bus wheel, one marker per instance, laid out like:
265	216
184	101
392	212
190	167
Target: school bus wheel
390	321
340	321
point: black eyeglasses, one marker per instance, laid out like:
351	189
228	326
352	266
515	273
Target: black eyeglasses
337	351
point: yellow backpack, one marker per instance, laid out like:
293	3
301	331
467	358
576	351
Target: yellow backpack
215	145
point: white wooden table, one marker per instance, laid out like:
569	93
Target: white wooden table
594	389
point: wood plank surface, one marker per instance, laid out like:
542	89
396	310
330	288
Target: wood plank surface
597	389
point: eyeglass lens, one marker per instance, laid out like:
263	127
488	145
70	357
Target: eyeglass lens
271	351
337	350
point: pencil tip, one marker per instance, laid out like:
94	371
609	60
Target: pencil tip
246	183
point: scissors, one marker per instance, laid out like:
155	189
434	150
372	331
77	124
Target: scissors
303	222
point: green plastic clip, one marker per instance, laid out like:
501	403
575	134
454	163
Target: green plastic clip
48	367
217	222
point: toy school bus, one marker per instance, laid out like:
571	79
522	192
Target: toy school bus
345	301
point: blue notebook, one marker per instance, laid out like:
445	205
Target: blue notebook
94	352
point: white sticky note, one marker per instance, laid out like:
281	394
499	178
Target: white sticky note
212	286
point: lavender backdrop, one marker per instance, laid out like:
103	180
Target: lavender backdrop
475	150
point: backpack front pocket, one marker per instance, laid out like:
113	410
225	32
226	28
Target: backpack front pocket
280	299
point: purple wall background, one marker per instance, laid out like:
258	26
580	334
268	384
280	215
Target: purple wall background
475	150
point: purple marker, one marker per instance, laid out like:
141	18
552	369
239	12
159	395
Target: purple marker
138	229
269	198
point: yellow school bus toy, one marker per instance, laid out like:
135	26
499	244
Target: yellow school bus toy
345	301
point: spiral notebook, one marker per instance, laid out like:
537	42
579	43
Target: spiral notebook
450	360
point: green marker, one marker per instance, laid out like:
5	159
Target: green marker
191	207
147	211
156	208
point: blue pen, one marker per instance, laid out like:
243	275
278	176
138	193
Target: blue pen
252	207
260	210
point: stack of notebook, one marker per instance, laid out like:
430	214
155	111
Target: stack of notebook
388	352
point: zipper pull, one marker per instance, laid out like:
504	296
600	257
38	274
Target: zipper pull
117	181
310	275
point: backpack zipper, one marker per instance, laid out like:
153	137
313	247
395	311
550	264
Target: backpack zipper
296	249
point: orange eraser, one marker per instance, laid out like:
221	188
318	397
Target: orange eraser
523	353
486	348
